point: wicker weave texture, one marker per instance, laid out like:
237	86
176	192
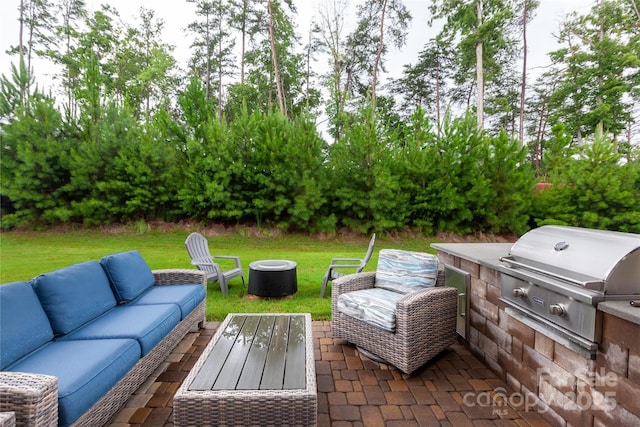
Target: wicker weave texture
425	323
34	398
179	276
248	407
7	419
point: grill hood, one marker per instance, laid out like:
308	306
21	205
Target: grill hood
603	261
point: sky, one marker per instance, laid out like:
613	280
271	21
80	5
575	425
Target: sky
178	13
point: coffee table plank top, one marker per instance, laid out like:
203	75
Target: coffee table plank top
212	365
274	368
294	373
257	352
257	357
229	376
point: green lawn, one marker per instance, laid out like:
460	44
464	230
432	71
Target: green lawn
25	255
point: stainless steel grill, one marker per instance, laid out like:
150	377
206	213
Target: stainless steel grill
558	275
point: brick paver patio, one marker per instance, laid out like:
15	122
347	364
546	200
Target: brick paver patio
455	389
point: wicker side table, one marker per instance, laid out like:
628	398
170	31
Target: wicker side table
258	370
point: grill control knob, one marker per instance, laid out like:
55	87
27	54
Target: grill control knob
520	293
557	310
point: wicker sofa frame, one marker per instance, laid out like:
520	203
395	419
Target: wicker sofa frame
425	323
34	398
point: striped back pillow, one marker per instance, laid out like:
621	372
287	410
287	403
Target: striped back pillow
405	271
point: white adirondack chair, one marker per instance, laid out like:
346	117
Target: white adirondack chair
198	249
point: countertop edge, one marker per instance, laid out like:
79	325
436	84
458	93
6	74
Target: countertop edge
482	253
621	309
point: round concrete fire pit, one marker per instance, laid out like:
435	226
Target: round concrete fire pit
273	278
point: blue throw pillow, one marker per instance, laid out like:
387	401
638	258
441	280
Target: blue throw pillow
405	271
74	295
128	273
23	323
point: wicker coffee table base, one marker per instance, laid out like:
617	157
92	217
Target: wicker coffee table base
200	408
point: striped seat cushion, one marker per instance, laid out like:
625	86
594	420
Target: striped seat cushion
375	306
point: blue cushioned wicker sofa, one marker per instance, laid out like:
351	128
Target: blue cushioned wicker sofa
75	343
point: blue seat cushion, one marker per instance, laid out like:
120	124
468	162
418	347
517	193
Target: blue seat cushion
86	370
74	295
24	325
405	271
148	324
187	297
128	273
375	306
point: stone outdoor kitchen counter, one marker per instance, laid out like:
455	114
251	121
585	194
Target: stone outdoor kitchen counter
566	385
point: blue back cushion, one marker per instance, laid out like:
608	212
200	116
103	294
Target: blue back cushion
405	271
187	297
23	323
128	273
74	295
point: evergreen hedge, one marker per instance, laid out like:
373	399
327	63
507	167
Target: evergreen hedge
276	171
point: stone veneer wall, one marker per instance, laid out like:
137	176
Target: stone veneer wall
567	388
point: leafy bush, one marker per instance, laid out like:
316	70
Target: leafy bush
464	181
260	167
35	165
593	190
382	174
364	186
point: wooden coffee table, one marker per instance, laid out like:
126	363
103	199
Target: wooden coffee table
258	369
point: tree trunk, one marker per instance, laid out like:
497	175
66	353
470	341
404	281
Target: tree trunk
244	39
220	77
208	76
21	32
635	8
599	132
480	72
378	54
147	53
71	105
30	42
274	56
523	88
219	55
542	123
330	26
23	95
438	119
308	82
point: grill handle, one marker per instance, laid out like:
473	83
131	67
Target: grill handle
595	285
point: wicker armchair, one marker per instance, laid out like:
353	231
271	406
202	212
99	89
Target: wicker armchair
425	323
